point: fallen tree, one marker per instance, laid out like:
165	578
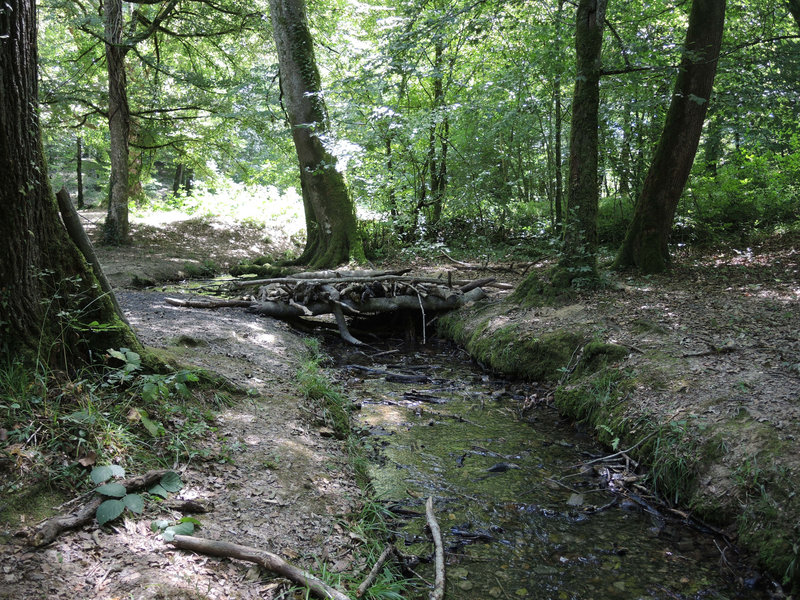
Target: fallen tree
354	294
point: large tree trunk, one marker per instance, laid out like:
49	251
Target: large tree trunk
645	245
794	8
116	226
579	258
51	307
557	159
333	236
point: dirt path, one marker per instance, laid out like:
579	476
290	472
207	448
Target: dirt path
283	487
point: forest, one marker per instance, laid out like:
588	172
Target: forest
609	194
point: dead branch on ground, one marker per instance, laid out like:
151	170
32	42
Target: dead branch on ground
436	534
268	560
373	574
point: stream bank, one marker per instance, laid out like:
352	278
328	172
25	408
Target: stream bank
697	373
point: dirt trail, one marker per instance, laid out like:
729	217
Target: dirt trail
283	487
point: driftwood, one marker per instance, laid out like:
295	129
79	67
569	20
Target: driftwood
72	223
47	531
376	569
438	587
268	560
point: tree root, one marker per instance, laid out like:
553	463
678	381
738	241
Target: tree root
269	561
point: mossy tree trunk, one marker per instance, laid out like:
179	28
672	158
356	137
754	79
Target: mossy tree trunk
645	245
332	232
51	307
119	119
579	257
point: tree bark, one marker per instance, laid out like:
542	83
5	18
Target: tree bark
331	227
557	159
646	242
79	171
579	258
268	560
116	225
794	8
52	310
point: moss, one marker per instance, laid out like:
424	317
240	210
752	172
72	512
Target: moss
514	352
597	355
31	506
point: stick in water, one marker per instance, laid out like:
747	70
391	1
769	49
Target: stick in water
438	587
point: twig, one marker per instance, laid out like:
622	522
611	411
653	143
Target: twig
373	574
621	453
436	534
269	561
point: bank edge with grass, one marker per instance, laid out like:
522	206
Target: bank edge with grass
595	387
329	407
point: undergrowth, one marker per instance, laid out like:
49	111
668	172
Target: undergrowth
55	427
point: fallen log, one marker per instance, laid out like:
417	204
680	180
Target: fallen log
268	560
371	305
312	298
47	531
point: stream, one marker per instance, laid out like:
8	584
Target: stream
519	517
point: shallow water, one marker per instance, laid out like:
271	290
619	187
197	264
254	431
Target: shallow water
518	518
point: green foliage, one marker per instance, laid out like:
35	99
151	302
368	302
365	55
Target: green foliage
327	403
750	195
118	497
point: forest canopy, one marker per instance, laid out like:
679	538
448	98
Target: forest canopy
449	121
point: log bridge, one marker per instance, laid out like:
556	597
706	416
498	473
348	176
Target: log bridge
345	293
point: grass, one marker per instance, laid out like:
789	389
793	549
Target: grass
55	427
329	406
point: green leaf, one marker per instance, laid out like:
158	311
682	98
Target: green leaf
134	503
159	525
171	481
154	428
115	490
80	417
149	392
191	520
117	354
179	529
101	474
157	490
108	511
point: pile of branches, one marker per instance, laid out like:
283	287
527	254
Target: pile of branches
346	293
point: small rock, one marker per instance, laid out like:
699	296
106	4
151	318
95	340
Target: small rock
465	585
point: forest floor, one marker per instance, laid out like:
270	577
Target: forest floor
714	346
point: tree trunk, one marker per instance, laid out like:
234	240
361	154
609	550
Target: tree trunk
579	258
440	129
79	172
794	8
177	182
559	192
333	236
52	310
645	245
116	226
